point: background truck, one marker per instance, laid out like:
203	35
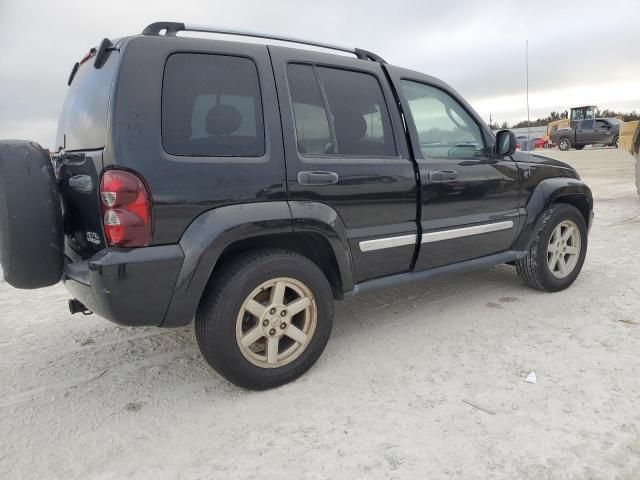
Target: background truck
589	131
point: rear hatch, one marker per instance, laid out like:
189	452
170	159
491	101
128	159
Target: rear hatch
81	139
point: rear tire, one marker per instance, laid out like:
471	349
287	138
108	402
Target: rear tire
31	229
540	267
564	144
245	329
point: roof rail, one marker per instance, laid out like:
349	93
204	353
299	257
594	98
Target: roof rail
171	28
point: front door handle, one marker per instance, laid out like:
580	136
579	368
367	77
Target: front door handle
442	175
317	178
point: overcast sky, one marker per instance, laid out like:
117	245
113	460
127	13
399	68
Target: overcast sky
580	52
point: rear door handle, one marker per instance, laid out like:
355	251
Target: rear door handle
317	178
442	175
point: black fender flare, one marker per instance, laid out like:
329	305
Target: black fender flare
213	231
547	192
320	218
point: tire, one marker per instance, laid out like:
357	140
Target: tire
534	269
616	139
31	229
579	147
222	319
564	144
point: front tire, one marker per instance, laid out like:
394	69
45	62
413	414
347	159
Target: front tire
615	142
265	318
564	144
557	254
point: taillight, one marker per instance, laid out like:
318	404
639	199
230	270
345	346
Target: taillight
126	210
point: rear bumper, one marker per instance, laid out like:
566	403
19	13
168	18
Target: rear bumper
127	286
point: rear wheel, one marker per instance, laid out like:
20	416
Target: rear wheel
265	318
564	144
557	254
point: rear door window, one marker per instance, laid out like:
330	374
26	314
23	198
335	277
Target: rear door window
312	123
339	112
211	106
360	118
587	125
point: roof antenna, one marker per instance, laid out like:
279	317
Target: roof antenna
526	48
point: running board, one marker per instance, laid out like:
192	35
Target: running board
423	275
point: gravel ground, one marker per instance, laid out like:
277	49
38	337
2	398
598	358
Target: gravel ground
83	398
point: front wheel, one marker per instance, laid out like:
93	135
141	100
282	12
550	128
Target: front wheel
265	318
615	142
557	254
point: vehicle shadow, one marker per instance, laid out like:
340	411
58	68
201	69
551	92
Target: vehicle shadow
169	360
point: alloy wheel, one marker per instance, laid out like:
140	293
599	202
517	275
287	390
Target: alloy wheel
276	322
563	250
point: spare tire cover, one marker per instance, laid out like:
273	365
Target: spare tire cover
31	229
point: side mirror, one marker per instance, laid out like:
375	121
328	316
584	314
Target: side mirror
505	143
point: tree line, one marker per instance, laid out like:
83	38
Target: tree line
553	116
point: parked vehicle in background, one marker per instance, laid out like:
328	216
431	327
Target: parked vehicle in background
249	186
536	142
592	131
539	142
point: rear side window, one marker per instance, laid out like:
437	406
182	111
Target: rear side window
211	106
352	121
587	125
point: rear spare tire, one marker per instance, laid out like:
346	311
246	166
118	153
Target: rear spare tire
31	230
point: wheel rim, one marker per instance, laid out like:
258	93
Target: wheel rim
563	250
276	322
564	144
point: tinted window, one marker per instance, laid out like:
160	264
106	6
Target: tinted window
83	119
211	106
587	125
312	124
601	124
358	112
445	129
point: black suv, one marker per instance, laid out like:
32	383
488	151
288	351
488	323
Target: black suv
248	186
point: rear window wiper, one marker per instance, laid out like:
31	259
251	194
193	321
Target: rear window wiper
101	54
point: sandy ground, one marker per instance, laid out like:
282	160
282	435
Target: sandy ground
83	398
